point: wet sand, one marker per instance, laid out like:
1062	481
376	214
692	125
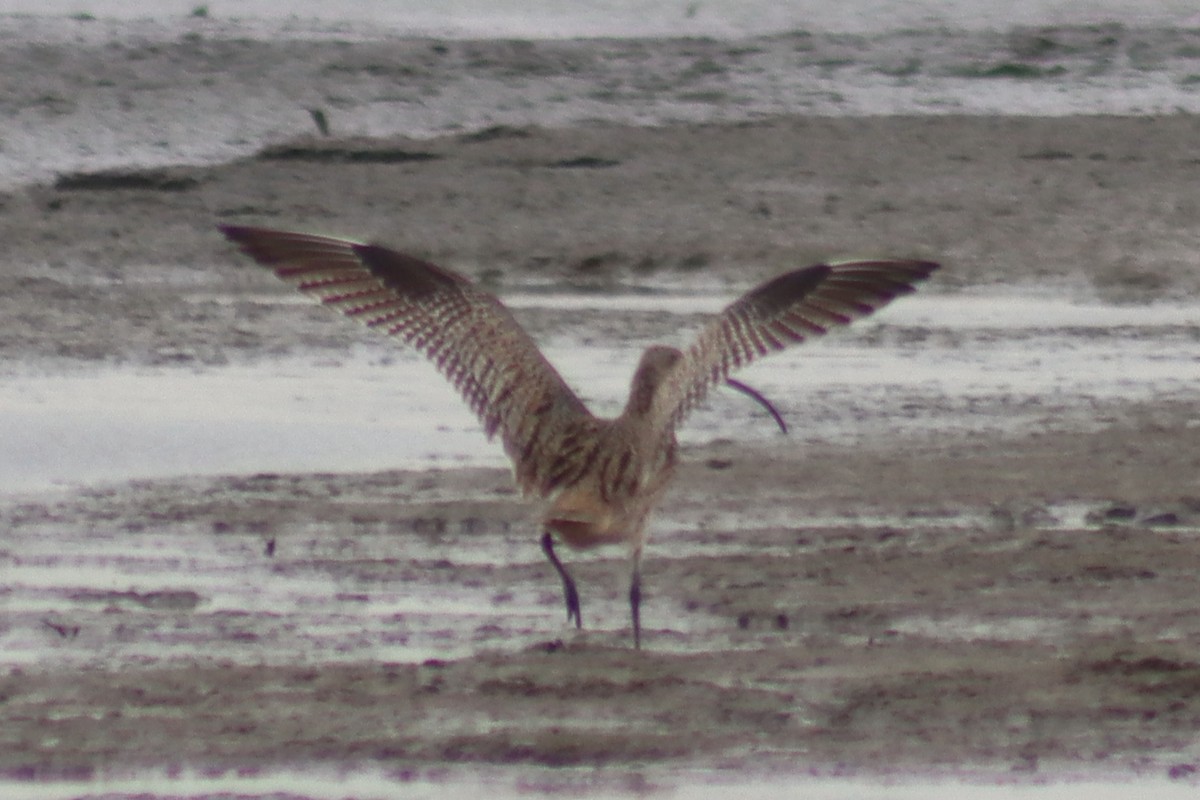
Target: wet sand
966	599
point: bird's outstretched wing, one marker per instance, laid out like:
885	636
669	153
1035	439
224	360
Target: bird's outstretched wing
785	310
466	332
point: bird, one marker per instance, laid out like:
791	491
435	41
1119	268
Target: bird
597	479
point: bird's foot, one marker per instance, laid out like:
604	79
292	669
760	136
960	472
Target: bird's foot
572	598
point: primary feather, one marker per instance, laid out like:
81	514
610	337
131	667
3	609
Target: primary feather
783	311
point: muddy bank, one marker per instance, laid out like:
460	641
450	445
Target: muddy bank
981	602
1019	601
125	266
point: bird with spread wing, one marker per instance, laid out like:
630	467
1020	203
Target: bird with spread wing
598	478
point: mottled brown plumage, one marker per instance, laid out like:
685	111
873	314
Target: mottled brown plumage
599	478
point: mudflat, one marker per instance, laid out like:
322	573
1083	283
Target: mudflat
1014	600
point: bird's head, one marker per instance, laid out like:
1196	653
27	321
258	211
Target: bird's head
656	364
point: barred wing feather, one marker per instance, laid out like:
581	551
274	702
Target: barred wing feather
785	310
471	338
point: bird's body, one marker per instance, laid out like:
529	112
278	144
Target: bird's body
598	479
615	470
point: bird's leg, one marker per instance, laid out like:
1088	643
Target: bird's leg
635	598
569	592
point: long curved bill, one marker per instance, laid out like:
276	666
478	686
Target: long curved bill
754	394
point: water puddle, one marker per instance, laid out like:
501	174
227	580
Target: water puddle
595	785
927	364
966	628
195	597
95	584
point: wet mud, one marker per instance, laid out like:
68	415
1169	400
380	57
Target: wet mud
918	605
960	595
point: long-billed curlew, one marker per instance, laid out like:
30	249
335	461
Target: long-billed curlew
599	478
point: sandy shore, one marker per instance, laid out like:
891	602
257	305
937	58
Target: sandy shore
967	599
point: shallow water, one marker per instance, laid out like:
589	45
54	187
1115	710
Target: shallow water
502	784
1007	363
204	598
548	18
